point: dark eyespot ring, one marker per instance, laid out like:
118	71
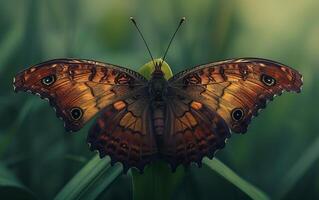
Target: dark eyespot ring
76	113
237	114
48	80
268	80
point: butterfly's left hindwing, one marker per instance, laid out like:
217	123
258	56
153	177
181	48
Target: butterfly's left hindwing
237	89
78	89
124	132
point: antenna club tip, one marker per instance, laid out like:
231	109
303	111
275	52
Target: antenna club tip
132	19
182	20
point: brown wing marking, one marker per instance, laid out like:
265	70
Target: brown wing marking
123	132
237	89
194	131
78	89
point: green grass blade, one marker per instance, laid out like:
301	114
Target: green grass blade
157	182
11	188
310	156
9	134
249	189
91	180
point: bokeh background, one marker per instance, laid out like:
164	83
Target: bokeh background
279	153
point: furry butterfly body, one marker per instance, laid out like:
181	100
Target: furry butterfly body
180	120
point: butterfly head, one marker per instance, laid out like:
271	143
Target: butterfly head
158	73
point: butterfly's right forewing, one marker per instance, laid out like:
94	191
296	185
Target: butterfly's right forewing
78	89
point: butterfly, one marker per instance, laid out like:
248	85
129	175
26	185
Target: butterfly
180	120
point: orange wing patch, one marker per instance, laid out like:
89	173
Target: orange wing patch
119	105
184	122
196	105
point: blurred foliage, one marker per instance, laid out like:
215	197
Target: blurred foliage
11	188
279	154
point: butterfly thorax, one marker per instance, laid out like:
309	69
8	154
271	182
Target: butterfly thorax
157	85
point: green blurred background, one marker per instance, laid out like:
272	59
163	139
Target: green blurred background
279	153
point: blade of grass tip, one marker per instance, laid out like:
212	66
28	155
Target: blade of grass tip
249	189
298	169
75	158
91	180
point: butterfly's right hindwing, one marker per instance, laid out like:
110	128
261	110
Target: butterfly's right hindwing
78	89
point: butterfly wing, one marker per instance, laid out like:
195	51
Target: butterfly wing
78	89
123	131
193	131
237	89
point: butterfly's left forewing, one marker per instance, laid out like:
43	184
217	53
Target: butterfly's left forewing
205	102
192	132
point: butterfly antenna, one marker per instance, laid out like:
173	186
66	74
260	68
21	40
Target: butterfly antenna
170	42
148	49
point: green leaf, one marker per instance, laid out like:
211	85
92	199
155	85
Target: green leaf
11	188
91	180
147	69
249	189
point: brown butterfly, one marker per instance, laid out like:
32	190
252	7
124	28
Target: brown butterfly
180	120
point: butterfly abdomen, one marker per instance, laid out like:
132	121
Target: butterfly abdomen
158	118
